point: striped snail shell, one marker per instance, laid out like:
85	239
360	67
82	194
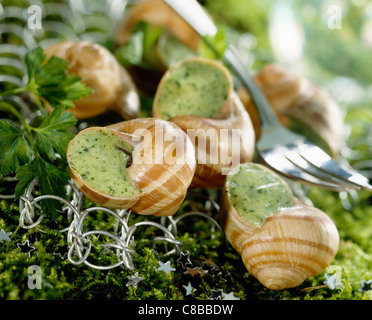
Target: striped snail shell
299	104
145	165
156	13
113	87
197	95
282	241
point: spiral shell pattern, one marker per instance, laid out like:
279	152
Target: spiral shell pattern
162	168
113	87
293	245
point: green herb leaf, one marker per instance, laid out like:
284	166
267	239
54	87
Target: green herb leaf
142	39
59	119
14	148
35	156
51	81
68	90
26	174
150	35
132	52
50	73
50	142
52	181
34	60
219	43
49	137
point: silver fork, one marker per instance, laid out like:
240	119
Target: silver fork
279	148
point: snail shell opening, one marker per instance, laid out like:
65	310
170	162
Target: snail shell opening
281	240
156	173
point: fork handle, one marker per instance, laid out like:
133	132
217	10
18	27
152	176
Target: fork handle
266	113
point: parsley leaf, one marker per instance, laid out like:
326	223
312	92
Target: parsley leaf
26	174
33	61
131	53
52	181
50	140
215	46
139	46
50	79
31	151
14	148
68	90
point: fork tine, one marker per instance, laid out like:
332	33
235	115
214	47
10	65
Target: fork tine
321	160
279	163
299	161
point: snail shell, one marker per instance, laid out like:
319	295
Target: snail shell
296	98
112	86
290	245
229	133
161	168
156	13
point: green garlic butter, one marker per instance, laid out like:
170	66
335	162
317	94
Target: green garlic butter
256	193
193	88
99	158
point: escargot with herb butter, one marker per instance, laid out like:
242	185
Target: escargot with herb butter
282	241
145	165
197	95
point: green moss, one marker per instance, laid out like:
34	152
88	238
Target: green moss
62	280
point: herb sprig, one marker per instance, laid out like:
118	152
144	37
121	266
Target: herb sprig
31	151
144	38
